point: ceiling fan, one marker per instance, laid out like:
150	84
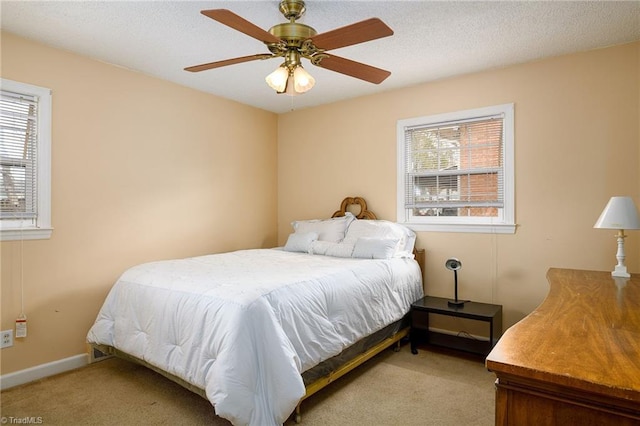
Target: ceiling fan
293	41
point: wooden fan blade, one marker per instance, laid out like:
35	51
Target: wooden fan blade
238	23
354	69
226	62
359	32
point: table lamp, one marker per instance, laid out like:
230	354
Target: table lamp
454	265
620	213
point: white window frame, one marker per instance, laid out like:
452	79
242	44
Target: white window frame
26	229
505	223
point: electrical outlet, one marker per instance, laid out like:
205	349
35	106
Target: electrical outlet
7	338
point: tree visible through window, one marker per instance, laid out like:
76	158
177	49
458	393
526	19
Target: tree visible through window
456	168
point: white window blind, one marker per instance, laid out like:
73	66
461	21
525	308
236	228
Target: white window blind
18	160
455	169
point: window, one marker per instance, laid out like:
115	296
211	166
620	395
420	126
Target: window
25	161
455	171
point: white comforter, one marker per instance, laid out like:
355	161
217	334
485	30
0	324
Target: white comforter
244	325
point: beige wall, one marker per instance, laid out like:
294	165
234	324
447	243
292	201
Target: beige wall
142	170
576	144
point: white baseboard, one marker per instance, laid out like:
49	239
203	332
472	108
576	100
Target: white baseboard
41	371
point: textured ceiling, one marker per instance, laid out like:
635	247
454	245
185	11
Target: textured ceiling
432	40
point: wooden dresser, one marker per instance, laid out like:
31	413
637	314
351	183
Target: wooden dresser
575	360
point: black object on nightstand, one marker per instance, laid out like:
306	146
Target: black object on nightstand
485	312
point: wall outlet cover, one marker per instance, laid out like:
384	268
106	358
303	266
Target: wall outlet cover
6	338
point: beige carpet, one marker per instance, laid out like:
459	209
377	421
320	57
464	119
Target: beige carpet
394	388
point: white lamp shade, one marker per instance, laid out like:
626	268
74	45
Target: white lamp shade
277	80
620	213
303	81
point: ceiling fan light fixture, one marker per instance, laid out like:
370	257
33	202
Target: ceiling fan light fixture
277	80
292	83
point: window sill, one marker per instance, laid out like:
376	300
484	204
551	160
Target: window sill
469	228
25	234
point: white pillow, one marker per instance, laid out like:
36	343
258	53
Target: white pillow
327	248
383	229
300	242
375	248
333	229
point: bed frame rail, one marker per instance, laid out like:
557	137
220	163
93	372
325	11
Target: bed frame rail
350	365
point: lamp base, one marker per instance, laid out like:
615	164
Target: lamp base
620	271
457	303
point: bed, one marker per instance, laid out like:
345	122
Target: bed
258	331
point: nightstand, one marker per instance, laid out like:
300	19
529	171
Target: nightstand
421	309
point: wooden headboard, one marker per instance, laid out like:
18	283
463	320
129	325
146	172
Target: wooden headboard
367	214
359	201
